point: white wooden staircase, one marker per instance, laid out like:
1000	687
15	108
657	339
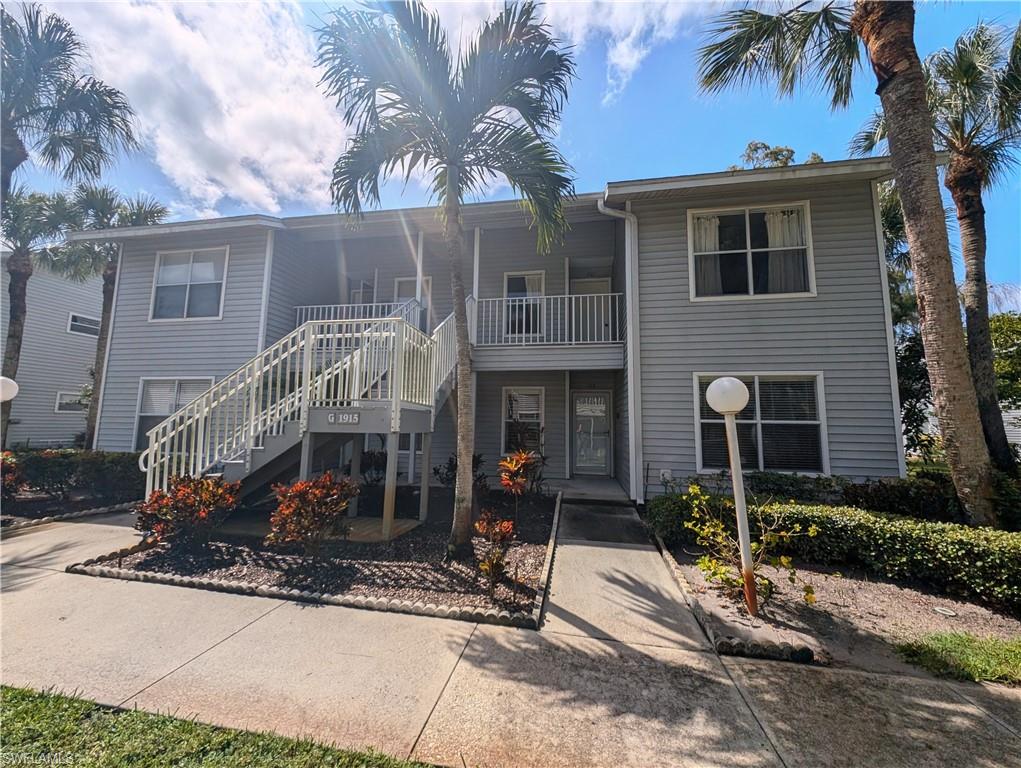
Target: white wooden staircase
376	375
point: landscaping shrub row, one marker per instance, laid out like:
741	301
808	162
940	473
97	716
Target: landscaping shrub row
977	563
926	495
103	475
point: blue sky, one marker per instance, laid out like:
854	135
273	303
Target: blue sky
232	121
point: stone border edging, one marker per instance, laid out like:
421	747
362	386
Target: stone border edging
524	620
22	524
714	627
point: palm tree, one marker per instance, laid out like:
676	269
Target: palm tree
30	222
73	121
974	93
462	122
822	45
100	207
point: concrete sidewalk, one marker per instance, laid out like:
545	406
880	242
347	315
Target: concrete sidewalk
619	675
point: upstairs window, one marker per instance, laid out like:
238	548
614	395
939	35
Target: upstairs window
780	430
69	402
189	284
86	326
751	252
523	418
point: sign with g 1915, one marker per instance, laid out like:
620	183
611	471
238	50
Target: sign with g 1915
343	417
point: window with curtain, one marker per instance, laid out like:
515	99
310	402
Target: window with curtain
524	292
189	284
750	251
162	397
779	430
523	419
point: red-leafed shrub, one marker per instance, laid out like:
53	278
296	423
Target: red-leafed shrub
308	510
11	475
189	511
498	534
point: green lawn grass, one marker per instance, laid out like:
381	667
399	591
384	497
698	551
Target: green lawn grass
966	657
36	727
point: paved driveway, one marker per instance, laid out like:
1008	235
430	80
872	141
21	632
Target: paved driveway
619	675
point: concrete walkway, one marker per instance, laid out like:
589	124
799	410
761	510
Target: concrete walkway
619	675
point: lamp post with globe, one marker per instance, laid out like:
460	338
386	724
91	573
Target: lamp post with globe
729	396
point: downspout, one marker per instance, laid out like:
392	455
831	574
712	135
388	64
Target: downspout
634	373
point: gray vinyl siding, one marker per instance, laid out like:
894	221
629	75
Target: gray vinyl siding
621	439
178	349
52	360
1012	425
489	416
580	357
841	332
298	277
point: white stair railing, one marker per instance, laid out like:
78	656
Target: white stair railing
316	364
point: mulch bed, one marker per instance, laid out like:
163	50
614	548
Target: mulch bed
411	567
33	506
858	618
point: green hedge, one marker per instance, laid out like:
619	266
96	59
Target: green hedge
103	475
976	563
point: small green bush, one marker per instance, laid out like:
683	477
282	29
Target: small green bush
975	563
928	496
110	476
51	471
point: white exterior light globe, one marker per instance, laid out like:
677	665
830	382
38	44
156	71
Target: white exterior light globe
727	395
8	389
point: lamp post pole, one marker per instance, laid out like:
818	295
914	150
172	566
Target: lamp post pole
728	396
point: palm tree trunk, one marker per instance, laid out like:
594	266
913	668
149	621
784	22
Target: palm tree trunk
459	545
964	180
109	282
12	155
887	29
19	267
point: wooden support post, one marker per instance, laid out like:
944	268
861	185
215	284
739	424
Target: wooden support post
423	501
357	448
307	447
390	489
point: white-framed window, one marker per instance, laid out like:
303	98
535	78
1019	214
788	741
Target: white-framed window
758	251
405	289
404	442
189	285
524	292
82	324
523	419
69	402
159	398
782	429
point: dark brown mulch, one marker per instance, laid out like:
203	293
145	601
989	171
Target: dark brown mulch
411	567
32	506
859	618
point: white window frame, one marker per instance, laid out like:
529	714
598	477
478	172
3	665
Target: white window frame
541	391
746	210
223	288
537	333
141	388
81	317
820	400
427	287
76	395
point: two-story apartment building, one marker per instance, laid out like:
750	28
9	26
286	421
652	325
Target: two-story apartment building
58	349
317	332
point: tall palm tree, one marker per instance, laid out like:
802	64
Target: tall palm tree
74	122
822	45
974	93
100	207
30	222
463	121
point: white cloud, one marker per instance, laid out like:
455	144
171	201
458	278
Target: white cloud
226	96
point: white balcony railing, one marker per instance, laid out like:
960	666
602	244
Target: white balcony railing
542	320
330	312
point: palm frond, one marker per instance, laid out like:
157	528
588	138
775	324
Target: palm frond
797	46
141	211
531	165
1008	86
870	137
514	63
